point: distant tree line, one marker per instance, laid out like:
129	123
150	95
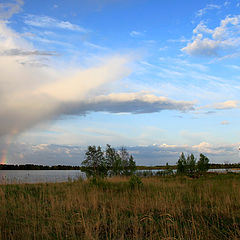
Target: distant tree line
122	163
111	162
190	166
224	165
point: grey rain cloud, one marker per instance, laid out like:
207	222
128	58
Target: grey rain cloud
128	103
48	109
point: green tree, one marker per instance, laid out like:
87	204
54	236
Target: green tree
117	167
202	164
127	162
94	163
124	156
191	165
110	156
181	164
132	165
113	161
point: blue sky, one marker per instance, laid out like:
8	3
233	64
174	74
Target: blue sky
159	77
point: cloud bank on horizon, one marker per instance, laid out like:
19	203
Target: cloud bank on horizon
50	154
57	63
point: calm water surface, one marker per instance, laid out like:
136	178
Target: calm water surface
37	176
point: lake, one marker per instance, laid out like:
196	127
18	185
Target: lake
36	176
41	176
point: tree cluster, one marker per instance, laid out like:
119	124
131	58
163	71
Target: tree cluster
190	166
110	162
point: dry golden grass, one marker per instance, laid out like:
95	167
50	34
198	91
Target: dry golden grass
163	208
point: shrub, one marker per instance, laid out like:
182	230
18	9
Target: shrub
135	182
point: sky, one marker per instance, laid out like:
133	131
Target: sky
157	77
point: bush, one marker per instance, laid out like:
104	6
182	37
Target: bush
135	182
99	182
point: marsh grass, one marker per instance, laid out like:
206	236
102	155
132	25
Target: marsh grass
163	208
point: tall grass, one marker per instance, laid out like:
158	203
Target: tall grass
163	208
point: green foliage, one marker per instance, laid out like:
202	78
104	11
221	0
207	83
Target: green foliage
181	164
191	166
113	161
109	163
95	164
135	182
132	165
128	164
203	164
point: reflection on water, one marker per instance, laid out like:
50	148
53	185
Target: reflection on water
36	176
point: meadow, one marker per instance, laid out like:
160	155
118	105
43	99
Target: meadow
164	207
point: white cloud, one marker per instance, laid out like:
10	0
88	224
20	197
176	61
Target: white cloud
49	22
52	154
206	147
163	48
226	3
220	41
135	33
203	11
10	8
230	104
226	105
94	46
181	40
236	67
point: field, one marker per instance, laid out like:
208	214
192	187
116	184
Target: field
162	208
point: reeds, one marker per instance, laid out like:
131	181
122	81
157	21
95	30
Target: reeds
163	208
